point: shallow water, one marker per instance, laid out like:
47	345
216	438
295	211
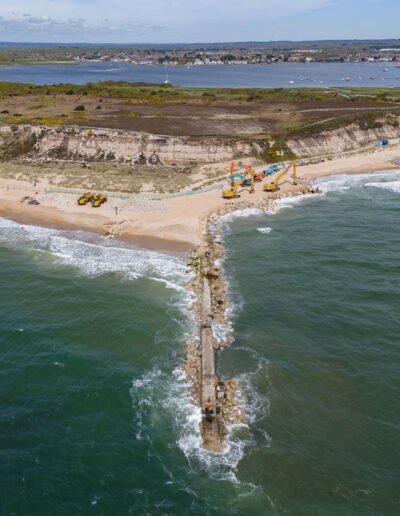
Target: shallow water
94	410
238	76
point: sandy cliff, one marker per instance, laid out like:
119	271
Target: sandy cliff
124	146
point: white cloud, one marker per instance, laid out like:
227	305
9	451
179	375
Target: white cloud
150	20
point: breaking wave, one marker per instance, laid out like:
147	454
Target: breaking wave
265	231
93	255
346	181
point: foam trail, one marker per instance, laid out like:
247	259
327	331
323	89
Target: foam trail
264	231
240	213
393	186
346	181
93	255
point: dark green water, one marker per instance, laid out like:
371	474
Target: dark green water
94	411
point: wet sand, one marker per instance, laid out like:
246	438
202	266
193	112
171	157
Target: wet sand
173	225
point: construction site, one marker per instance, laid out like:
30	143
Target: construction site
220	399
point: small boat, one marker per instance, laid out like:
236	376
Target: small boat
291	82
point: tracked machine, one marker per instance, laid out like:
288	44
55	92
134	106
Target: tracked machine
272	187
239	180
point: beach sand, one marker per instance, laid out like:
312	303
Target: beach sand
173	225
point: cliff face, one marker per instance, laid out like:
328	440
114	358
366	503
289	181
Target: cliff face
141	148
341	140
123	146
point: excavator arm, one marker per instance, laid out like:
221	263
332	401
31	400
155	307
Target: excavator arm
229	194
274	185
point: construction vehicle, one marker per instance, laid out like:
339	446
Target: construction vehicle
235	177
242	180
272	187
98	200
236	165
273	169
85	198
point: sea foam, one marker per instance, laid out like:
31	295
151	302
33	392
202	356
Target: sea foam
93	255
346	181
265	231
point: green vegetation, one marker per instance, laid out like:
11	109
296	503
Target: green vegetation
100	176
139	92
363	120
276	150
228	114
19	145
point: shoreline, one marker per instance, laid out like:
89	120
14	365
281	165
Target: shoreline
199	219
174	224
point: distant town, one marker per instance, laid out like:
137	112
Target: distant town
241	57
206	54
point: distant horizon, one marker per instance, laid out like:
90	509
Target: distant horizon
233	42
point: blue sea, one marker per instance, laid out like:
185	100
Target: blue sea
95	414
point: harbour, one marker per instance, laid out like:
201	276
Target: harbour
284	75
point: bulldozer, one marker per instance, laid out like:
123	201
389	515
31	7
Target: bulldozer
272	187
98	200
85	198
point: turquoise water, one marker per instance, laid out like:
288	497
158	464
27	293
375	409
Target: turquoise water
94	410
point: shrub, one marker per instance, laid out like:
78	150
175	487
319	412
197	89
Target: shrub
80	107
98	107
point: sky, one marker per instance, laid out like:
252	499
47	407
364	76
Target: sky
177	21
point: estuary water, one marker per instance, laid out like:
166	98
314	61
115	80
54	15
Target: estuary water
211	76
94	410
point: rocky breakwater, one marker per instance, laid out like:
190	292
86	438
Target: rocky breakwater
221	400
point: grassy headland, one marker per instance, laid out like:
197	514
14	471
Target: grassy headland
196	112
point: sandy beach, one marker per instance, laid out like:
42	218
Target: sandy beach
174	224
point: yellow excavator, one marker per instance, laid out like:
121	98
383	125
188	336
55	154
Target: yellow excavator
272	187
232	192
85	198
98	200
